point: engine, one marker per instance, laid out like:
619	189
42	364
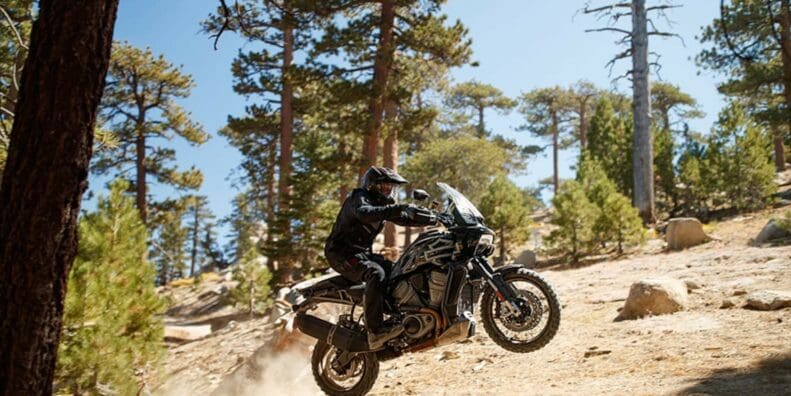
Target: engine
421	290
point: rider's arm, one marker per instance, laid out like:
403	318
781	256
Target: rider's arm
369	213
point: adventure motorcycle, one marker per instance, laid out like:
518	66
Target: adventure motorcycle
431	292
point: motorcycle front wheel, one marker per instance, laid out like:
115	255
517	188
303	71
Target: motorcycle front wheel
536	323
355	378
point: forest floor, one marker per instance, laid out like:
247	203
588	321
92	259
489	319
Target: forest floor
703	350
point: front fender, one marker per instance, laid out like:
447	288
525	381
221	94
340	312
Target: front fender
510	268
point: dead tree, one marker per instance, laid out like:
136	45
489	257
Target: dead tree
636	41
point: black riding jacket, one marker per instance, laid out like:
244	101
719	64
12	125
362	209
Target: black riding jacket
360	220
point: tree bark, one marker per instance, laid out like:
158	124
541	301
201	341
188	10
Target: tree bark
343	191
286	114
390	154
785	44
270	202
555	143
195	230
140	178
45	177
382	65
481	125
642	158
583	124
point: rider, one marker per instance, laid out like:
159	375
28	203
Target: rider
348	248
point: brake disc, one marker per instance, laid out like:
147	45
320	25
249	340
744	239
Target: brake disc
522	323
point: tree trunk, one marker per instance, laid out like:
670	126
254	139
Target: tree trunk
382	65
45	176
195	231
407	230
785	44
502	245
343	191
555	177
642	158
270	203
140	179
286	115
481	125
583	125
390	154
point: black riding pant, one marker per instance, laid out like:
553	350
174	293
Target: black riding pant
373	269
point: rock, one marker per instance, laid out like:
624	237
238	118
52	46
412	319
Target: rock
526	258
187	333
691	285
684	232
769	300
597	353
654	296
738	292
771	231
448	355
727	303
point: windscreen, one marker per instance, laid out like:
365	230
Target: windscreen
466	210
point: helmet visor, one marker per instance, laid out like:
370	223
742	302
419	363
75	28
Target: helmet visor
388	189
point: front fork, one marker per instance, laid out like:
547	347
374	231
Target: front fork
502	289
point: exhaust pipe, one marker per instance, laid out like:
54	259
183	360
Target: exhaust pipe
341	337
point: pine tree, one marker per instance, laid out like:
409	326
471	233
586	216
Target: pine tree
693	195
547	113
43	182
574	215
751	46
169	243
14	40
582	101
465	162
738	156
505	210
617	221
473	98
253	289
363	40
609	143
199	219
112	329
664	172
139	105
670	107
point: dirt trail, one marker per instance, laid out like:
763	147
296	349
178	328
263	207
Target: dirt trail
704	350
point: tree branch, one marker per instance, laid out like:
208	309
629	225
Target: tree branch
610	29
13	28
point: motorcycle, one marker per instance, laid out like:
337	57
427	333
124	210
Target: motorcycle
432	292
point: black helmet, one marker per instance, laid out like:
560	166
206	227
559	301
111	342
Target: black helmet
377	176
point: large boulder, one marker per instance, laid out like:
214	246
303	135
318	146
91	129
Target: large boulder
684	232
771	231
768	300
654	296
526	258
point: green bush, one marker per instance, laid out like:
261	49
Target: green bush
575	216
112	331
253	291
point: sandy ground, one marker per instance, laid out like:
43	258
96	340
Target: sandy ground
704	350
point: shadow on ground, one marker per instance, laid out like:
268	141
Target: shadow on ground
770	376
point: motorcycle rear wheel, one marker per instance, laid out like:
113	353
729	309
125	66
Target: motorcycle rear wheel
536	293
364	367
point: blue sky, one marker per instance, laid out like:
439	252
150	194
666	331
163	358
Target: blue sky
520	45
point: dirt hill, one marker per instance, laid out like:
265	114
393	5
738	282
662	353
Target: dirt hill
706	349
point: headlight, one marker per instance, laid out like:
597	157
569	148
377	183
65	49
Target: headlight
486	239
